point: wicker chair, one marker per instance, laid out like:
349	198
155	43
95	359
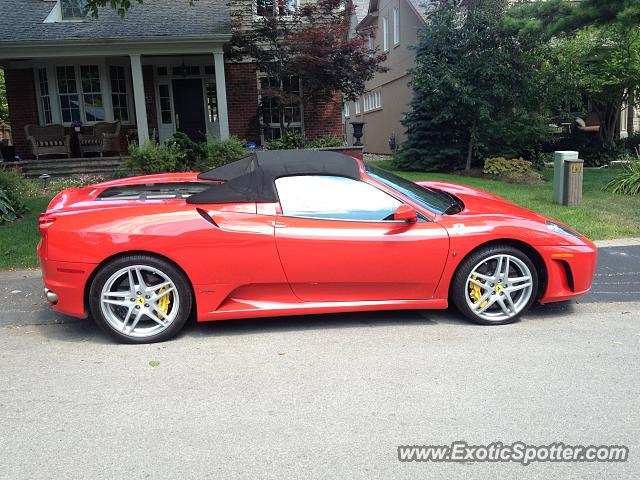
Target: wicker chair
48	140
104	138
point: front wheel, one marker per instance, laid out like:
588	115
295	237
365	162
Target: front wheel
140	299
495	285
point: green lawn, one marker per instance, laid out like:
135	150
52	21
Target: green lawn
18	240
600	216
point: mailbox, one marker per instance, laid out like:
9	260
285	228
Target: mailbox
567	178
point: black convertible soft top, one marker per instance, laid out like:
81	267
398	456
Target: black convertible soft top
252	178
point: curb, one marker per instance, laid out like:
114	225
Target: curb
620	242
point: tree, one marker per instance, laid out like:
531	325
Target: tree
596	44
550	18
311	43
4	105
475	89
604	64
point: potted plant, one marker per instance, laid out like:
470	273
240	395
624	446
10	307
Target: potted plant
77	125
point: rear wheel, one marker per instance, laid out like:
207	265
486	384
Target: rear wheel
495	285
140	299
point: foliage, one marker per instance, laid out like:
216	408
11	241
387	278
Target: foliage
476	90
312	43
602	63
324	142
592	149
194	153
4	104
221	152
12	181
294	140
11	208
515	170
550	18
628	182
155	158
289	141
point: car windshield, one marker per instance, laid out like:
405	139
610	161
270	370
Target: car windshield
437	201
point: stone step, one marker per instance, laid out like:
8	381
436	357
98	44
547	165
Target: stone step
66	167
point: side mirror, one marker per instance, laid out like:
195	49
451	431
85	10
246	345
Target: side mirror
406	213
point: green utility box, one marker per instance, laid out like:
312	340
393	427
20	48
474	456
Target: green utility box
567	178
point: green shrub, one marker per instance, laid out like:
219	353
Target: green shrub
289	141
324	142
628	182
221	152
11	207
592	149
155	158
12	181
195	153
515	170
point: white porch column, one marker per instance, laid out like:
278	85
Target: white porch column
221	93
138	97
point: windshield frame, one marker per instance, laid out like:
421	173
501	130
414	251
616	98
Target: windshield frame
436	202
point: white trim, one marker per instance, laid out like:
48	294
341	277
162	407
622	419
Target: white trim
221	92
138	97
385	34
396	26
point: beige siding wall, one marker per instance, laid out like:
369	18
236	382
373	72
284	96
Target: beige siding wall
393	85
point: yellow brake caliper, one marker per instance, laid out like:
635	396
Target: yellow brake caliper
164	301
475	293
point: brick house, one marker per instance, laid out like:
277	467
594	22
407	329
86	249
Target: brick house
159	70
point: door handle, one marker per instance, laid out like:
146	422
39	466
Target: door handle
276	224
177	120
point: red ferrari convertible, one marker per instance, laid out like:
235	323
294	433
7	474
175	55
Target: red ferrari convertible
297	232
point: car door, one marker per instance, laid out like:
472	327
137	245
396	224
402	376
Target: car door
338	242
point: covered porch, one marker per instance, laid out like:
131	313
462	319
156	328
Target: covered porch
153	88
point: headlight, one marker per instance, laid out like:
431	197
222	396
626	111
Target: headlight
557	228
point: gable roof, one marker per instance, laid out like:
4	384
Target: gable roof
23	21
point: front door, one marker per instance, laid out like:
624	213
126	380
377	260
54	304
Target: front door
188	103
338	242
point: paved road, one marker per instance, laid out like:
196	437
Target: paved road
327	396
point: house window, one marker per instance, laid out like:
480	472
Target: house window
396	26
346	110
165	104
93	104
74	9
292	114
212	102
119	97
45	99
385	33
357	104
270	8
371	42
68	94
372	101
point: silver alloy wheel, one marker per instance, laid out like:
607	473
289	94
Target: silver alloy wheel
139	301
503	286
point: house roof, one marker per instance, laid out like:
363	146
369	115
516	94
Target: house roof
23	21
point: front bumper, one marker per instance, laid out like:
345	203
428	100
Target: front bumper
570	271
67	280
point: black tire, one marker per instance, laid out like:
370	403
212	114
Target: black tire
459	290
167	268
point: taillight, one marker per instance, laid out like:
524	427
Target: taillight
45	221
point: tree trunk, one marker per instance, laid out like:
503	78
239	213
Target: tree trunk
609	116
472	139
